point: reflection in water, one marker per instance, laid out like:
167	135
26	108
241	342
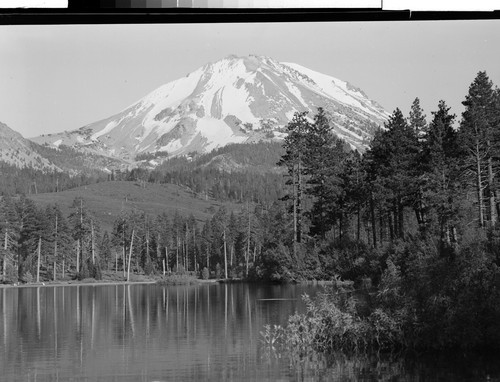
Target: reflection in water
147	332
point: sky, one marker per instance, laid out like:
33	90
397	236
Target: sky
61	77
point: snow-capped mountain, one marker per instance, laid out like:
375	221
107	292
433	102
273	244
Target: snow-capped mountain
236	99
18	151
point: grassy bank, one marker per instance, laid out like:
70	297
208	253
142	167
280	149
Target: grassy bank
112	278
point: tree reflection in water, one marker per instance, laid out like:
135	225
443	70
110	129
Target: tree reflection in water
148	332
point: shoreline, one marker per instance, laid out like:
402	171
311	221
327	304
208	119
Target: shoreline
75	283
145	282
97	283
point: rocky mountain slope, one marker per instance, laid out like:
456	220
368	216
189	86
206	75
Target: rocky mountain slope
18	151
234	100
23	153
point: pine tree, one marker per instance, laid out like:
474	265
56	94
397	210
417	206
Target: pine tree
293	159
391	162
31	224
324	155
354	195
163	240
417	119
86	233
477	137
57	239
9	236
439	160
220	226
105	251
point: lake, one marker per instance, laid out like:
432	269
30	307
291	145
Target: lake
184	333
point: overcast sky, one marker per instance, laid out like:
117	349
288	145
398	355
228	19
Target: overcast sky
56	78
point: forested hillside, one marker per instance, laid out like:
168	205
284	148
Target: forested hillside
28	181
236	172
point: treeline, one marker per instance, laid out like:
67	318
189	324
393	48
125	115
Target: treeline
42	244
258	154
237	172
416	179
151	156
17	181
416	216
77	169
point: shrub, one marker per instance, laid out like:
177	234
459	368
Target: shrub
149	268
218	271
180	270
11	275
177	279
28	277
205	274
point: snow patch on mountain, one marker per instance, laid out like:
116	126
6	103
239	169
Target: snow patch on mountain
217	133
110	126
333	87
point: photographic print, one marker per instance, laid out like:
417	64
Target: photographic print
250	201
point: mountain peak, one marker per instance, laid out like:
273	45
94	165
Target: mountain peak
235	99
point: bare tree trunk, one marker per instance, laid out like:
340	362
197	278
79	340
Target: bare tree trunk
295	232
247	261
497	204
381	227
225	255
55	249
479	186
493	214
78	256
5	244
124	259
177	253
130	255
374	230
147	246
81	228
299	204
187	249
208	259
358	225
38	261
401	219
195	260
248	238
92	240
166	257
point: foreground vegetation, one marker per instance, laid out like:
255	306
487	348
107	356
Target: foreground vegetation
425	198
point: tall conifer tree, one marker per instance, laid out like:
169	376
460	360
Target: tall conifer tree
293	159
477	135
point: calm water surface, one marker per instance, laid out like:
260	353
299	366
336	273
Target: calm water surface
182	333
